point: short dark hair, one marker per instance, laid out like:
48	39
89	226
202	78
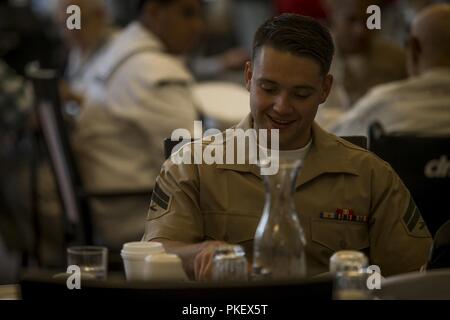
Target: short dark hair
299	35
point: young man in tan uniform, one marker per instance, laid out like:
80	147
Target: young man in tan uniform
196	207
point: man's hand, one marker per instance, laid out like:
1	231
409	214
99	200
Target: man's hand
203	262
196	257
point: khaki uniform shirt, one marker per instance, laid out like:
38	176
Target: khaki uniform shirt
194	203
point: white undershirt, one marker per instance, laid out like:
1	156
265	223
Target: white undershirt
297	154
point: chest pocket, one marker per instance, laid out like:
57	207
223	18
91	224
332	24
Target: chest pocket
339	235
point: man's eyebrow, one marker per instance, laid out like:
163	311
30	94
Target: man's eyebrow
305	86
266	80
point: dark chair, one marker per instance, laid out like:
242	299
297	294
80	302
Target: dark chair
52	133
169	145
424	166
440	251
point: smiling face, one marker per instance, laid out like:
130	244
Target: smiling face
285	92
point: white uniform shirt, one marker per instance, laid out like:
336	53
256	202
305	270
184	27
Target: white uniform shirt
131	110
419	105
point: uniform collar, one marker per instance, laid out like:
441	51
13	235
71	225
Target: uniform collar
328	154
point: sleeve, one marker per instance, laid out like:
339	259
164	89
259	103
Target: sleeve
174	212
400	240
156	104
138	112
356	122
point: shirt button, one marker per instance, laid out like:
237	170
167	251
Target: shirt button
343	244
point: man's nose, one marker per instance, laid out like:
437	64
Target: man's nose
282	104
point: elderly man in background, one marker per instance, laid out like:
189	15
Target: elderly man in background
420	104
85	49
363	59
85	46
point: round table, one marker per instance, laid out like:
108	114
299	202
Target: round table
10	292
223	104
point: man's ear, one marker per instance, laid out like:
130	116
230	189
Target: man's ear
416	50
248	74
327	85
413	52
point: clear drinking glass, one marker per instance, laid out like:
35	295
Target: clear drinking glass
229	263
350	275
92	260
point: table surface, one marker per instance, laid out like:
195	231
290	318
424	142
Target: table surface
223	101
10	292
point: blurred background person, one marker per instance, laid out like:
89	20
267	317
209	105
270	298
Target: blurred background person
363	59
84	47
143	91
398	15
78	53
420	104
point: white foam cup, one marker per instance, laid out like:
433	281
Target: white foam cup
133	256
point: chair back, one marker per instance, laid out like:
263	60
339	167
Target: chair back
54	134
423	164
440	251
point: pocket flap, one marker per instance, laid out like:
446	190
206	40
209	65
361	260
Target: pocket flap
340	235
